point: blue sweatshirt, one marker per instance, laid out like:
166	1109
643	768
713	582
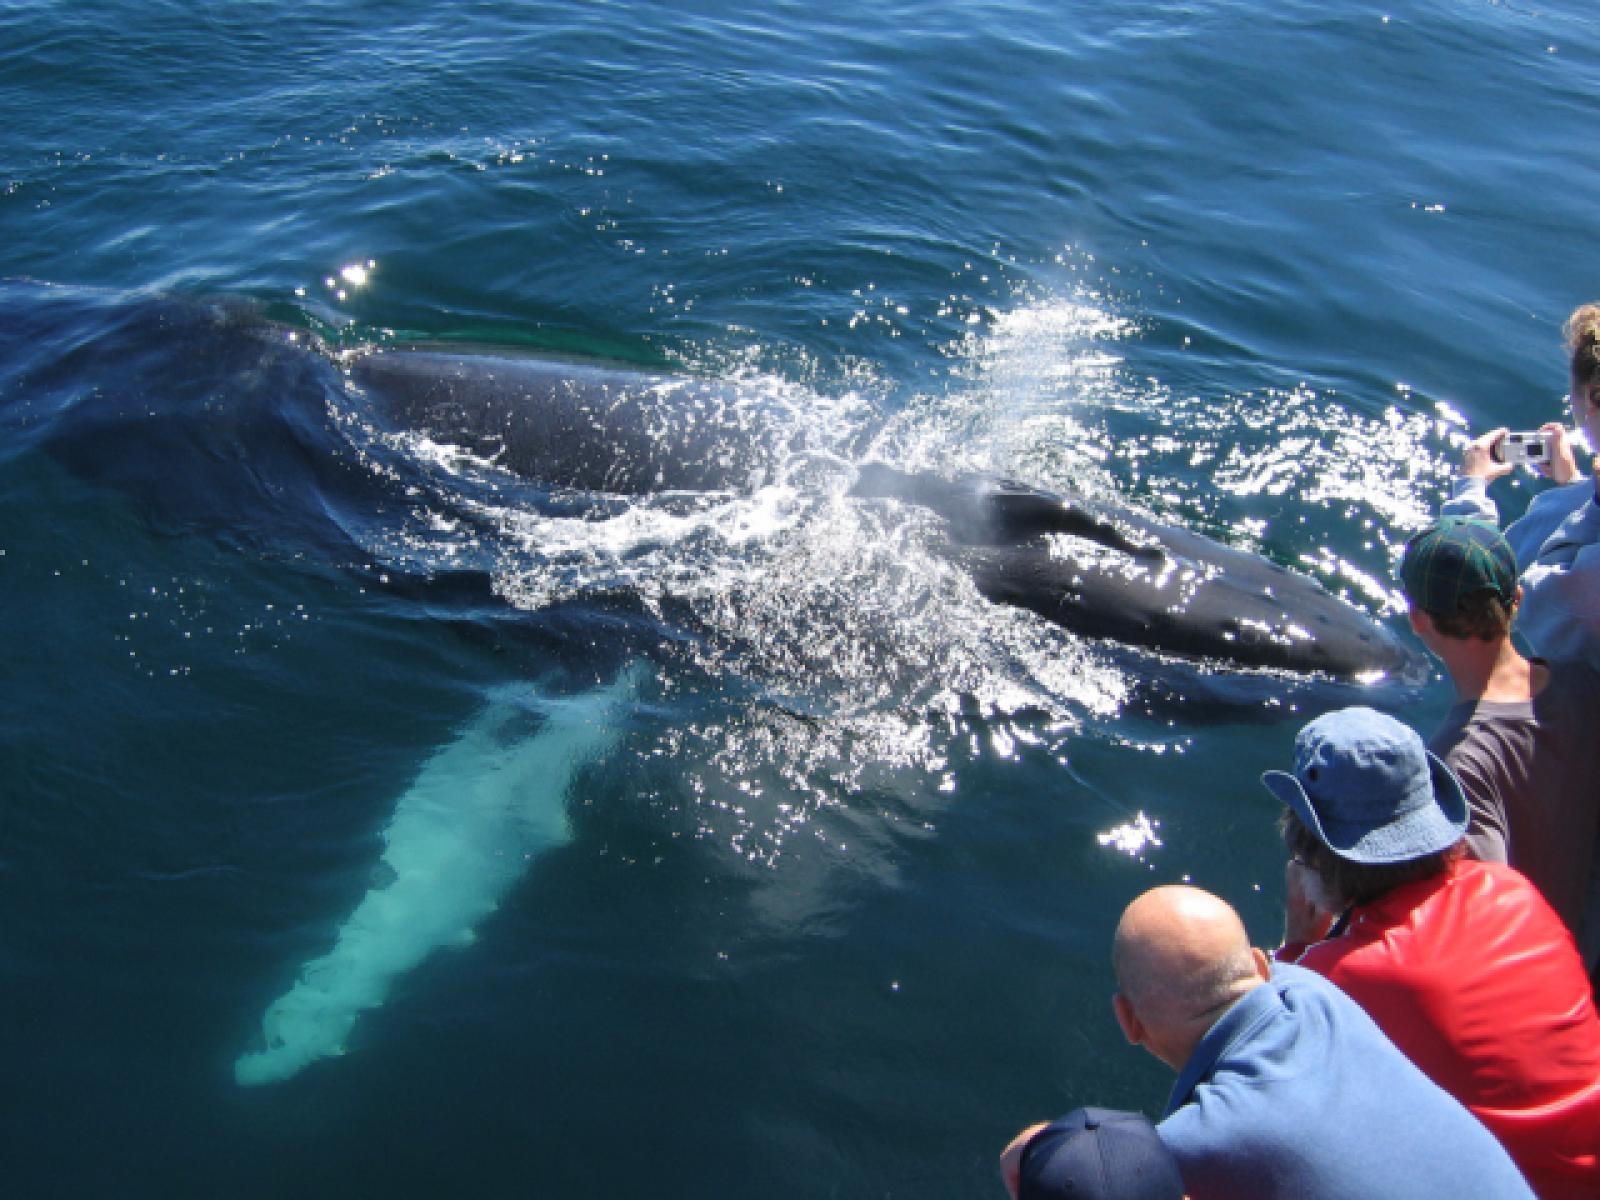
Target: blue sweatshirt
1294	1094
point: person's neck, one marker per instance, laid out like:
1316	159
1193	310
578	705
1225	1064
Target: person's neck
1187	1041
1491	671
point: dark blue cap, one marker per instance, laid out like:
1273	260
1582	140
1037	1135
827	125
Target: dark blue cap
1099	1154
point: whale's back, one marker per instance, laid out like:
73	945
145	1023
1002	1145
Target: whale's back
573	424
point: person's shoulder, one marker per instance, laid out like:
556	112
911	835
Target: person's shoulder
1517	932
1466	876
1481	741
1394	934
1468	731
1563	498
1314	988
1501	881
1323	961
1472	872
1503	902
1571	677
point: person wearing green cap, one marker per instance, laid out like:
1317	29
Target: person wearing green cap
1520	736
1557	541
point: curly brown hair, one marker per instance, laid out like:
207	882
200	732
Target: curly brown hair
1582	332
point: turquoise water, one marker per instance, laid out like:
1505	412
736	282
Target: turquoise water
830	916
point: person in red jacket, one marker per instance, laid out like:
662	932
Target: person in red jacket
1462	963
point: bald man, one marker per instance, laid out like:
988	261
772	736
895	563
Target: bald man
1286	1089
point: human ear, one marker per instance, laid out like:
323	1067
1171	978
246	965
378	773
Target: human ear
1132	1028
1263	963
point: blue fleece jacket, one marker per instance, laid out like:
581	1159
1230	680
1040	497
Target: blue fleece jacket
1294	1094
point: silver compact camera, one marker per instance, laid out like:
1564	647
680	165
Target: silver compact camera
1523	448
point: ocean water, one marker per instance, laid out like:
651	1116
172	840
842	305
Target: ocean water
710	846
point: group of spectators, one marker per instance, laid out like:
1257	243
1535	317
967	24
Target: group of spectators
1428	1027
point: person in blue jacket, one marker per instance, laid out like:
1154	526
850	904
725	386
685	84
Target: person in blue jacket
1557	541
1286	1089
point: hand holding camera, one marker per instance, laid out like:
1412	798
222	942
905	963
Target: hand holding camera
1547	450
1532	448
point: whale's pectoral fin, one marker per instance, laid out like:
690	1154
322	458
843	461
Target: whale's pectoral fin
479	809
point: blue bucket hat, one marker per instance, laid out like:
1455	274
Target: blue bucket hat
1099	1154
1370	791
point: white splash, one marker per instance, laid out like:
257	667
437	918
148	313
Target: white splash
460	837
1133	837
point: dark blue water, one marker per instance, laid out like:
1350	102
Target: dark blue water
829	915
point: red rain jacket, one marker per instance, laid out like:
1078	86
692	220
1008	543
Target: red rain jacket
1477	980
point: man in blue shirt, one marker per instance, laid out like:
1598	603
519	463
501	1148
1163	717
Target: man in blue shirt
1286	1089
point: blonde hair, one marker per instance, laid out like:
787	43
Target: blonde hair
1582	332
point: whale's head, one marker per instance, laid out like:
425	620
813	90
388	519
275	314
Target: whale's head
1224	606
1106	572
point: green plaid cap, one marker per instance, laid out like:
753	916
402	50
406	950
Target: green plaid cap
1453	558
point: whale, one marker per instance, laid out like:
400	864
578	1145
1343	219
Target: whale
492	801
1098	569
216	419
